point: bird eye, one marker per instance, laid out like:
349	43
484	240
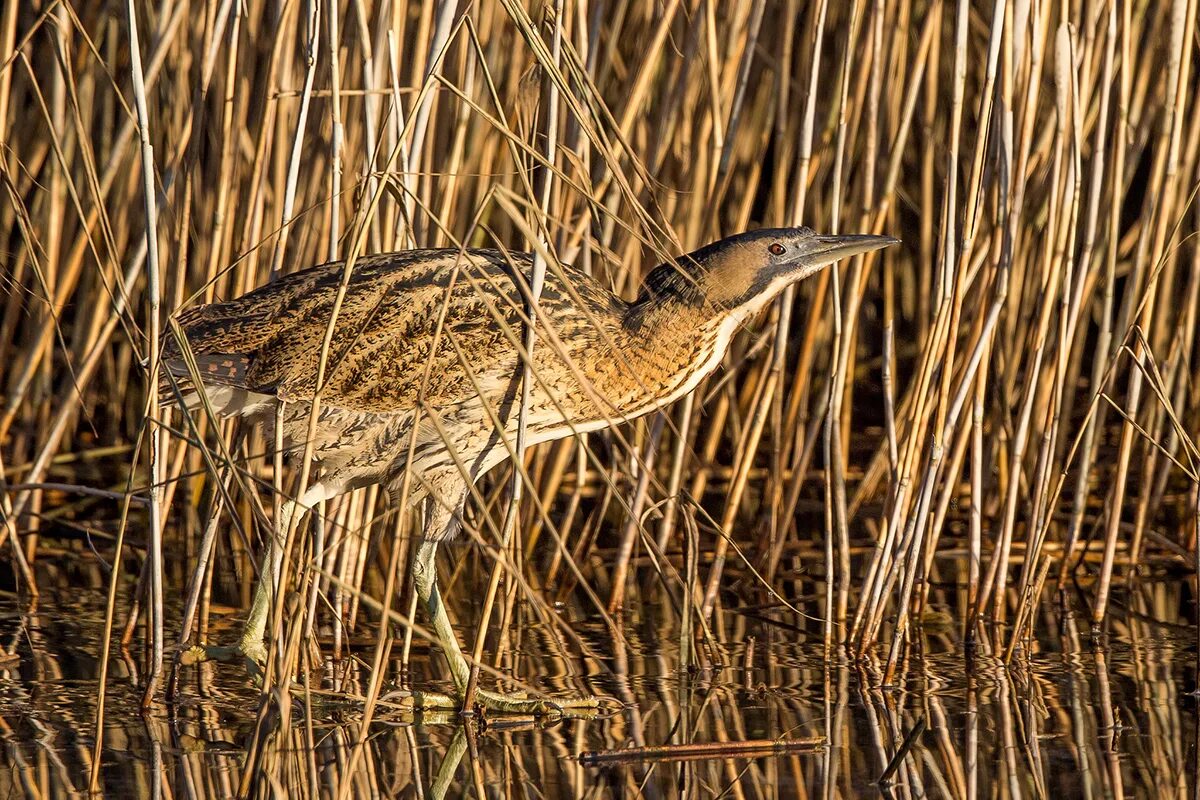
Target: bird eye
776	249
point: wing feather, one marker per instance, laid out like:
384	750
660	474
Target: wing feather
268	342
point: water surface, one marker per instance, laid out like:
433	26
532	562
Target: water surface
1075	715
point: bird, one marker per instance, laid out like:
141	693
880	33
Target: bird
424	368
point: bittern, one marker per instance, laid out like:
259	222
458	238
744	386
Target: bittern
424	370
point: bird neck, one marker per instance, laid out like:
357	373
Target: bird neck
667	346
679	282
671	337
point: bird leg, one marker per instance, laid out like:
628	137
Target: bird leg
425	580
251	646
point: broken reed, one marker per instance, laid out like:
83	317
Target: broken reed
1004	403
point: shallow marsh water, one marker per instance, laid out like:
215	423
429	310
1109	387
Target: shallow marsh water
1074	716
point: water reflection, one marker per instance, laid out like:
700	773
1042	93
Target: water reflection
1069	716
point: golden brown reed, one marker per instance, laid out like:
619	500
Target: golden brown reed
1004	405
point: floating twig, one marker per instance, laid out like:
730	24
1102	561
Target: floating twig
698	751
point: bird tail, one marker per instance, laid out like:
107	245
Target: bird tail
220	374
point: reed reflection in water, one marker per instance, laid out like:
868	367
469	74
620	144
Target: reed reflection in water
1070	716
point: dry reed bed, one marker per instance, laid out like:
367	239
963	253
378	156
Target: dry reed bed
1005	404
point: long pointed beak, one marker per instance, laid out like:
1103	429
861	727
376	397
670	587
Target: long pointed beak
828	249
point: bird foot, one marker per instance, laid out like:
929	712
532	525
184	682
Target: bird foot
253	655
508	704
504	703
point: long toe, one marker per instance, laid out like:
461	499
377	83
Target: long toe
501	703
434	701
253	658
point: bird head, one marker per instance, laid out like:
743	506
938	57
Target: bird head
746	271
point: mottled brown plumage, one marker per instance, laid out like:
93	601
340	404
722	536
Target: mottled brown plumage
430	339
436	329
